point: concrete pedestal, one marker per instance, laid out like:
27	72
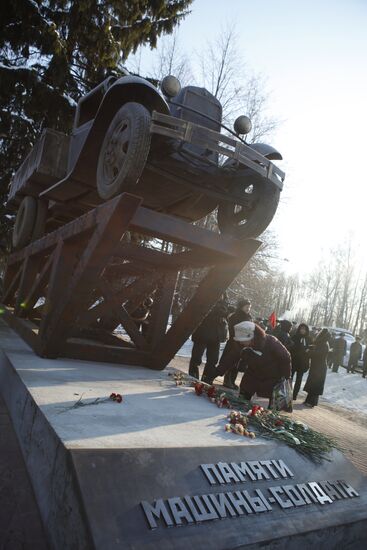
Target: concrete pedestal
158	470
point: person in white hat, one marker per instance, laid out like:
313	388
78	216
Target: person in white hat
244	333
242	313
263	359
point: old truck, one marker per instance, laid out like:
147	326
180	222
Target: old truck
168	146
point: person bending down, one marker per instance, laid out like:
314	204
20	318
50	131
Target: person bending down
262	358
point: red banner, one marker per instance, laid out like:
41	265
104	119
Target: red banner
273	320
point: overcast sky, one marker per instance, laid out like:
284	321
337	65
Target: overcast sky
313	55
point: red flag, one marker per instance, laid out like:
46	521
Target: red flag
273	320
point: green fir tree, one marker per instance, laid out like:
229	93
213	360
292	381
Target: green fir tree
53	51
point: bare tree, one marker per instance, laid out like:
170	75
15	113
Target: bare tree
335	294
253	102
171	59
224	73
220	68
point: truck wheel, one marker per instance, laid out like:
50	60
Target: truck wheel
248	222
124	151
24	223
40	221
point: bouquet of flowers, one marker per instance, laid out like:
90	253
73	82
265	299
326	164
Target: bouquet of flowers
268	423
238	424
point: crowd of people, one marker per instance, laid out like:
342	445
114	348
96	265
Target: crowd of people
266	354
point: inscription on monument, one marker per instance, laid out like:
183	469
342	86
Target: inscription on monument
187	510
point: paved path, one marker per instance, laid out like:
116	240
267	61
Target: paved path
20	524
347	427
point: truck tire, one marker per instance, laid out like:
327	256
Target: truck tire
124	151
248	223
24	223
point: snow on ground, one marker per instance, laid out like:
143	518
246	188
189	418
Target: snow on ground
342	389
346	390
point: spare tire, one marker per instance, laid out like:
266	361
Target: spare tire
124	151
25	222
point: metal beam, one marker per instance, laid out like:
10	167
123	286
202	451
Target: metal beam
208	293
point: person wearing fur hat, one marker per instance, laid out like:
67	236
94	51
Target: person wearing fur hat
263	359
242	313
282	332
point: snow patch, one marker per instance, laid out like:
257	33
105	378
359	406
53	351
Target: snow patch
346	390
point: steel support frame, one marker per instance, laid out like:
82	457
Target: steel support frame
89	278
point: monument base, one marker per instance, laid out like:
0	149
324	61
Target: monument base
159	471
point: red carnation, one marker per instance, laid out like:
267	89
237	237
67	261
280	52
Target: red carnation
225	402
118	398
278	423
211	392
113	396
199	388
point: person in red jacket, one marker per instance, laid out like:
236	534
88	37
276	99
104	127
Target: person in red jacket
262	358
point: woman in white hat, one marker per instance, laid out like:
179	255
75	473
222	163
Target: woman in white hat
242	313
262	358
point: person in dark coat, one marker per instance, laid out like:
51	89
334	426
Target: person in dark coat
282	332
355	353
318	366
141	315
261	356
300	356
339	350
242	313
364	372
207	337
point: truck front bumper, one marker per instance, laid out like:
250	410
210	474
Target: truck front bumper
216	142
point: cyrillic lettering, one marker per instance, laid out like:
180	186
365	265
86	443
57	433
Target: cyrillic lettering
179	511
228	475
256	503
156	510
320	494
306	493
282	468
222	505
244	470
330	490
198	510
268	464
293	494
348	489
208	469
239	503
276	492
258	469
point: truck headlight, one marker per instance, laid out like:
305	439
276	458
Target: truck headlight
242	125
170	86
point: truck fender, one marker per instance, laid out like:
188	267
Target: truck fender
125	89
267	151
133	88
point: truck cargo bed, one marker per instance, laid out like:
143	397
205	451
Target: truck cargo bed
44	165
